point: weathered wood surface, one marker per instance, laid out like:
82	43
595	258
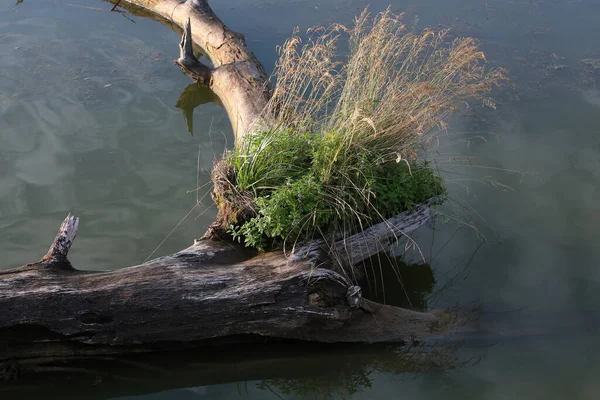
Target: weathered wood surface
379	237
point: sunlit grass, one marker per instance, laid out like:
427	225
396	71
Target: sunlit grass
338	142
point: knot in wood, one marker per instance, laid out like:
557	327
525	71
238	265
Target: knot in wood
354	296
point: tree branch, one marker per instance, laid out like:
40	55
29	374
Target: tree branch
63	240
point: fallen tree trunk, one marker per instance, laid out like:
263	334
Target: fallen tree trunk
214	291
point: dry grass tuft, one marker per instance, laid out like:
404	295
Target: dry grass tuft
395	88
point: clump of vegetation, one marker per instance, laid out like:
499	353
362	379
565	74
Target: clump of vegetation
338	147
311	185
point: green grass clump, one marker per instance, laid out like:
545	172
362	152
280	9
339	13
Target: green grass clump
321	186
265	161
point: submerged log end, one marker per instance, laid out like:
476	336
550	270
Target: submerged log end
62	242
188	62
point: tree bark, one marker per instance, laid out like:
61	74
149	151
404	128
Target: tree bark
213	292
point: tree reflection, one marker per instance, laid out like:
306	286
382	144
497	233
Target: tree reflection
343	377
193	96
283	367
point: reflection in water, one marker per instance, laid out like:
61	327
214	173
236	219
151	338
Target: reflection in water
390	280
287	368
193	96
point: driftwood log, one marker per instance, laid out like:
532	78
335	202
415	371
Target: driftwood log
213	292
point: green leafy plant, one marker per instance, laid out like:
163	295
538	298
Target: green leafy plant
321	189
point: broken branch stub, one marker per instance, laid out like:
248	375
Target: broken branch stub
188	62
58	251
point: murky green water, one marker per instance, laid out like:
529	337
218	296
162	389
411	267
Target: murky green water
88	125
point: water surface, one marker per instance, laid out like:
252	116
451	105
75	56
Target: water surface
89	125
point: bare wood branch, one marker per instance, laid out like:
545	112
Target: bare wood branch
367	243
63	240
381	236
